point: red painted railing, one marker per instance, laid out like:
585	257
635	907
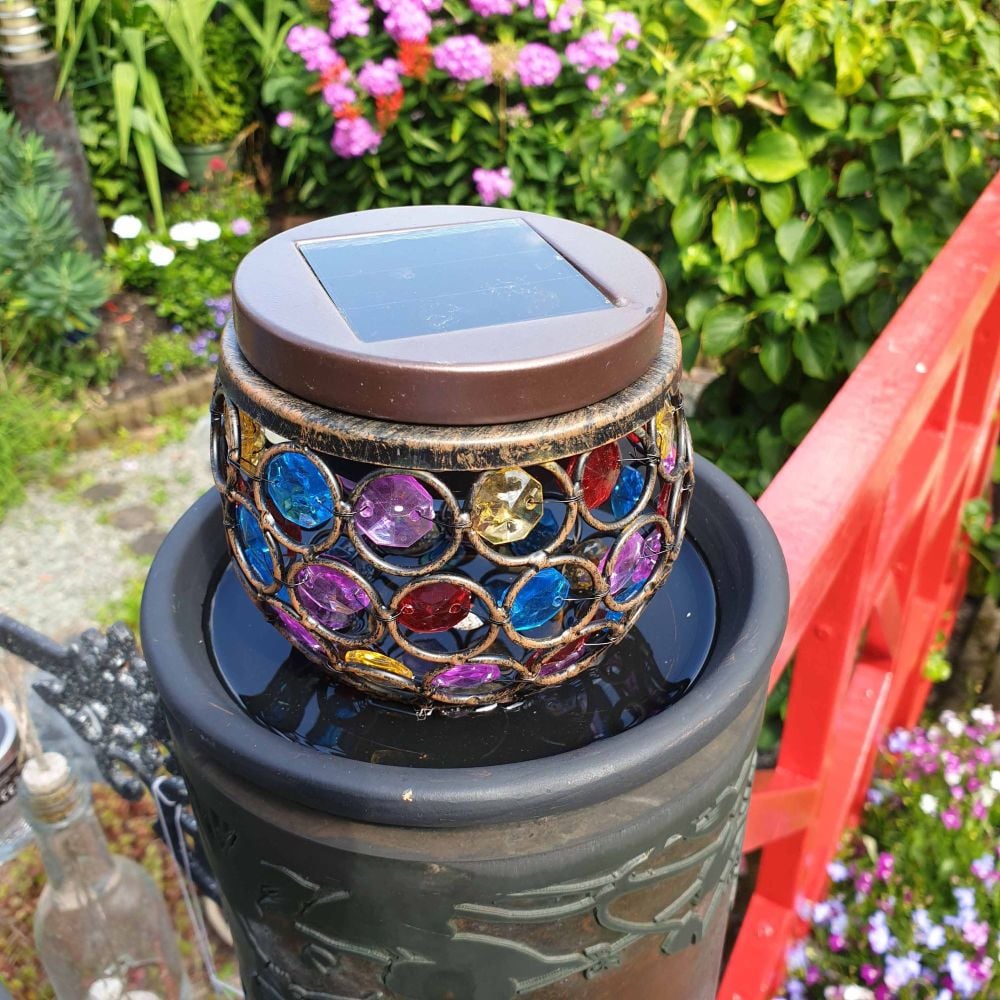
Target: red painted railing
867	511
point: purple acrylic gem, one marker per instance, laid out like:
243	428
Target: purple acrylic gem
467	675
331	597
298	634
394	512
649	554
621	570
565	658
670	462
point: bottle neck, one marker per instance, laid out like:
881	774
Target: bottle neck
74	850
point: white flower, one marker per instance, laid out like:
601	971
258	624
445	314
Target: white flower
987	796
953	724
127	227
928	804
159	255
984	715
952	778
184	232
206	230
858	993
995	780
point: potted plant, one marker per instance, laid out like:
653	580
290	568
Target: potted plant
206	121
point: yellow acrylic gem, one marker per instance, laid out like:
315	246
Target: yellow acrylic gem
507	504
665	441
378	661
251	442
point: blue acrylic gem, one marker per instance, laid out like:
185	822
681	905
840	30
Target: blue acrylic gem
254	546
539	600
541	535
298	490
627	491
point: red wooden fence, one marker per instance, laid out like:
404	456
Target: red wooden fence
867	511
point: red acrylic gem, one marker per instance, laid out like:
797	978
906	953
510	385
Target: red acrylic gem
600	474
435	607
664	500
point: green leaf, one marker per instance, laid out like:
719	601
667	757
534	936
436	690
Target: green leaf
734	228
822	105
726	133
920	40
855	178
806	277
722	329
777	203
775	358
892	201
688	220
816	349
839	227
479	107
670	177
814	185
796	422
913	133
857	276
124	84
774	156
956	154
795	238
698	305
761	272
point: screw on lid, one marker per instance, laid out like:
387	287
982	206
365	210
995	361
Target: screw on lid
449	315
46	774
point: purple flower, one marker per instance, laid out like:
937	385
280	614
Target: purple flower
592	51
563	19
354	137
313	45
795	990
538	65
951	818
983	868
898	741
338	95
837	871
380	79
408	22
901	970
348	17
926	932
593	81
880	938
869	973
493	184
962	977
624	24
883	869
836	943
875	796
489	8
285	119
795	960
240	226
864	882
464	57
977	933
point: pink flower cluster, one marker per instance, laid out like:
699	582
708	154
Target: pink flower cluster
313	45
492	8
538	65
493	185
593	51
406	20
465	58
348	17
354	137
380	79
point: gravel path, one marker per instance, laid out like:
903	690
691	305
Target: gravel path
69	550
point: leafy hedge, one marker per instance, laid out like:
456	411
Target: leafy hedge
793	166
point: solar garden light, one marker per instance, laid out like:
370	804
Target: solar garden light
461	713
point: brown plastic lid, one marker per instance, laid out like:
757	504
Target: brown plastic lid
449	315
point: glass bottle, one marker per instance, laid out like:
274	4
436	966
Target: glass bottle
14	832
101	928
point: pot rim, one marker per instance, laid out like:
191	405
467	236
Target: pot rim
747	569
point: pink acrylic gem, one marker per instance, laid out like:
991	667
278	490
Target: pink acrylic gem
394	512
467	675
670	462
331	597
649	554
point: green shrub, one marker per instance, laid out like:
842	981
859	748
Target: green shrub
793	167
50	289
